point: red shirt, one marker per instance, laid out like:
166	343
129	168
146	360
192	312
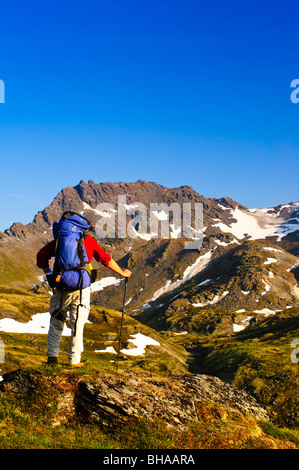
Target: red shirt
93	250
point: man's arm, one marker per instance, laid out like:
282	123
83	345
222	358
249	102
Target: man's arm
44	255
94	250
117	269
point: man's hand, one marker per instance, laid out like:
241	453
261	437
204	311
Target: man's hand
126	273
117	269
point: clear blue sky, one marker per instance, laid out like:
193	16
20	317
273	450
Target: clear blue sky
177	91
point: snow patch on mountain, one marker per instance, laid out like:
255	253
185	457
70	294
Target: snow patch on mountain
199	265
216	299
261	223
104	282
270	261
244	323
39	324
140	342
269	248
267	311
267	288
220	243
206	281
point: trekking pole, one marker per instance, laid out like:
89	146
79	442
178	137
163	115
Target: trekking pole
122	321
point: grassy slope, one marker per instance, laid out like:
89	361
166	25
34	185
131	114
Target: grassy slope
15	268
23	350
21	303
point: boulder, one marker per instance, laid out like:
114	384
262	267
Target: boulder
115	397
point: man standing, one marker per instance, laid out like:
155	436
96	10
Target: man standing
77	302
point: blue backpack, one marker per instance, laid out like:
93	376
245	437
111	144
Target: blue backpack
71	268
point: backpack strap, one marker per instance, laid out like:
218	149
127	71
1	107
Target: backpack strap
80	304
80	250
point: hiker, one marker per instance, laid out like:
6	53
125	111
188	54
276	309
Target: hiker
71	278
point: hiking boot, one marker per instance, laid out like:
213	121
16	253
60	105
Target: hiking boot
77	366
52	360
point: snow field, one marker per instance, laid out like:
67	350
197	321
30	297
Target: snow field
216	299
195	268
104	282
139	340
258	223
39	324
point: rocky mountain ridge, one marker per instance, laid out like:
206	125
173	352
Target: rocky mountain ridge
220	215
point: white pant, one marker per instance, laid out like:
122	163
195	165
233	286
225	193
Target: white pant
69	302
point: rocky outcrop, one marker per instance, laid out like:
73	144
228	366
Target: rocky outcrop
115	397
174	399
